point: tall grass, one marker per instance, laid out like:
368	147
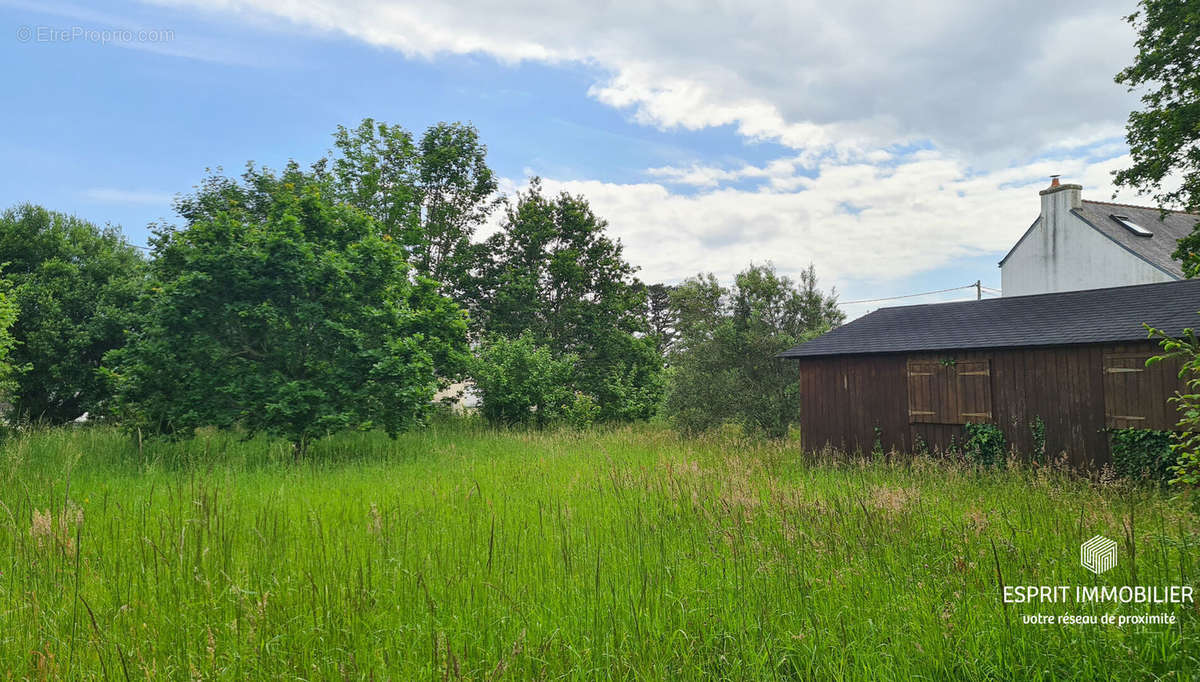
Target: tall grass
457	552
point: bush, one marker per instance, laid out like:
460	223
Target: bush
984	445
1142	454
582	412
1185	450
521	382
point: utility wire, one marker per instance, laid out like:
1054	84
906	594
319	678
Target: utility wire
923	293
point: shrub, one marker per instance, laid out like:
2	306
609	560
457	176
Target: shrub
1142	454
521	382
984	445
582	412
1186	448
1037	432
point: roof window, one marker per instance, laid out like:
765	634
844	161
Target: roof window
1131	226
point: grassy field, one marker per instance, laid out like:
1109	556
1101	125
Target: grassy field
457	552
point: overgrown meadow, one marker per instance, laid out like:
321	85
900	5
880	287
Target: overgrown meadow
463	552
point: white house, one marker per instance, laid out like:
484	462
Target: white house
1076	244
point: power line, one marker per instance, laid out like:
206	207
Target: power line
923	293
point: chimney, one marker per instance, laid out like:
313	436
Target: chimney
1057	200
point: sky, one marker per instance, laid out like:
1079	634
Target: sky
897	147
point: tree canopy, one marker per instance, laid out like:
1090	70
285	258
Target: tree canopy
275	309
74	285
723	365
1164	136
428	194
553	272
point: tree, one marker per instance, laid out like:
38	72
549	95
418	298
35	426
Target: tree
429	194
74	285
659	317
724	366
276	310
1164	137
8	316
552	271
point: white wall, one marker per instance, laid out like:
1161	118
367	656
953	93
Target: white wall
1064	253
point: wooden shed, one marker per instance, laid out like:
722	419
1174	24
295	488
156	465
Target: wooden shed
911	376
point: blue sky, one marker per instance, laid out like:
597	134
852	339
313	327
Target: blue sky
896	161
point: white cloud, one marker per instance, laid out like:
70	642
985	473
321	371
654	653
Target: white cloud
1003	80
856	222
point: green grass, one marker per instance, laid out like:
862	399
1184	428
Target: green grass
459	552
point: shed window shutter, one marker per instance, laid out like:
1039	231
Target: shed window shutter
949	392
924	380
1125	391
974	389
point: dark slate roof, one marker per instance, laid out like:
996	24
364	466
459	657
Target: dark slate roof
1058	319
1155	250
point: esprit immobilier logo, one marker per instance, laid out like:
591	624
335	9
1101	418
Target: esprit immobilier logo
1098	554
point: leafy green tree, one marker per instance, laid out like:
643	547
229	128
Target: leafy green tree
521	382
74	285
552	271
8	316
724	366
1164	137
276	310
429	194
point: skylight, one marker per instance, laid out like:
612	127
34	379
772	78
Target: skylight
1132	226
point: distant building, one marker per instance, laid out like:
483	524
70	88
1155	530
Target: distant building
1076	244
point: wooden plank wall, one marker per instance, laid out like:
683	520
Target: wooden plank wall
845	400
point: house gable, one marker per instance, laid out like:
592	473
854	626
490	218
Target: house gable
1069	253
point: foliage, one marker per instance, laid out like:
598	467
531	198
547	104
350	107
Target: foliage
453	552
1186	448
724	364
8	316
522	382
552	271
1037	432
659	317
984	444
582	412
428	194
1142	453
74	285
275	310
1164	137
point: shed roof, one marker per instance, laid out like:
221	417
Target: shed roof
1057	319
